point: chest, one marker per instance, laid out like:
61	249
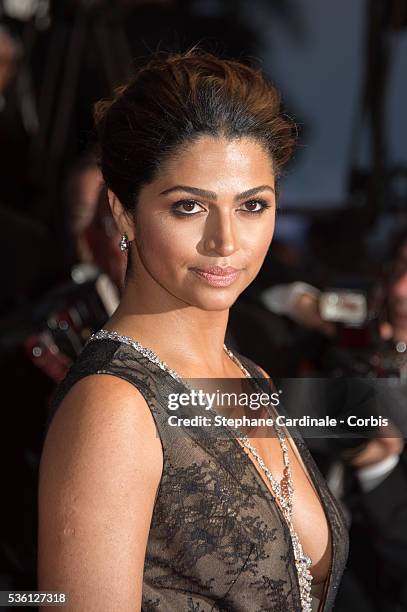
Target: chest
215	517
309	517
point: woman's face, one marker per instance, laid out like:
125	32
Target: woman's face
212	205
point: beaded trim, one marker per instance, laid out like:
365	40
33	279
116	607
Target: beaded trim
284	490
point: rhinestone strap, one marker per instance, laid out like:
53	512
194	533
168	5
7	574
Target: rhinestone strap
283	491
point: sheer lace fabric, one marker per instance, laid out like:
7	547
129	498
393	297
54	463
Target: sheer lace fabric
217	540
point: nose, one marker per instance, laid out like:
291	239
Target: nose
221	235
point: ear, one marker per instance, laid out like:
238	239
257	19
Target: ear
121	216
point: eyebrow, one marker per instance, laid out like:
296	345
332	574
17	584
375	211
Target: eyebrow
211	195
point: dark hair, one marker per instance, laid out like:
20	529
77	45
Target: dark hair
172	101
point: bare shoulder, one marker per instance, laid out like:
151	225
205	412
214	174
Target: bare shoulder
100	469
102	413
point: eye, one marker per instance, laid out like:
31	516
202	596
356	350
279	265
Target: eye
185	208
259	203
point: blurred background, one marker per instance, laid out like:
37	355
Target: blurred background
331	300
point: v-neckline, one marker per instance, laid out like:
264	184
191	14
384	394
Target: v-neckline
314	483
310	477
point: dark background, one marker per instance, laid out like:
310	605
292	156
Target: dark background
342	69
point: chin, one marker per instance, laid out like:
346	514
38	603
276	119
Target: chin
223	300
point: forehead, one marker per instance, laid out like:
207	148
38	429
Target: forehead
219	162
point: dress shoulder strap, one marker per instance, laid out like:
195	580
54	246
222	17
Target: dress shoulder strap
107	357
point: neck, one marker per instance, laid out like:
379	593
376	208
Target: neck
173	329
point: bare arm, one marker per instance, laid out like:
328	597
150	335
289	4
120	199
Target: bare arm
100	470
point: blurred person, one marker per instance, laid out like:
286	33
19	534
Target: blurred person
300	302
82	192
375	481
191	149
368	475
92	228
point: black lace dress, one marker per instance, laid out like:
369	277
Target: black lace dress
217	540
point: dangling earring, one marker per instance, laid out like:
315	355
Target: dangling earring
124	243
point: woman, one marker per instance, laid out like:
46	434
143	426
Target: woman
191	150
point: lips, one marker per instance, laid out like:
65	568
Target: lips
218	270
217	276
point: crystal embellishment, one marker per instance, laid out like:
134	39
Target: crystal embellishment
283	490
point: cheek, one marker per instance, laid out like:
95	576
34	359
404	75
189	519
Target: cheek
164	244
257	242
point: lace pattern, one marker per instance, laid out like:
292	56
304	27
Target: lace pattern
217	538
